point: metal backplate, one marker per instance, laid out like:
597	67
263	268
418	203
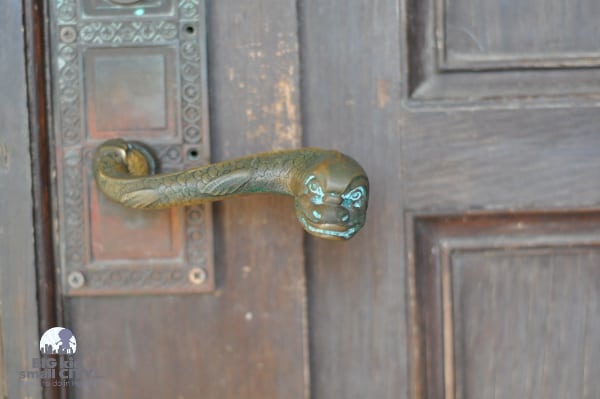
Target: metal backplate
136	70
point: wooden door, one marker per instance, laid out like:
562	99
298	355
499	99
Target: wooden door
477	274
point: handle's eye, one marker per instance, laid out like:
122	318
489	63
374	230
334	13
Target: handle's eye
315	188
355	197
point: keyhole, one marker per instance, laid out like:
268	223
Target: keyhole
193	154
189	29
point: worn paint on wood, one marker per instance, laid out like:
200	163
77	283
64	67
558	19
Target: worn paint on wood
248	339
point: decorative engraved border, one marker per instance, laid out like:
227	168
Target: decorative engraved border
80	275
69	87
74	210
66	11
127	32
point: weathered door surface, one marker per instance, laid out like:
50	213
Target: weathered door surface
477	274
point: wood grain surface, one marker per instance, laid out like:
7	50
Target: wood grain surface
350	91
19	309
476	274
247	340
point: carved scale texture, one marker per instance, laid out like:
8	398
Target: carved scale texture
272	172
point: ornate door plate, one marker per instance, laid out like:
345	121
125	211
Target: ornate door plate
134	69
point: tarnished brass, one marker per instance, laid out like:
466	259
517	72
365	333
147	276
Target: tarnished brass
136	69
330	189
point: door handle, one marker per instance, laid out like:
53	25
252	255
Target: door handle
330	189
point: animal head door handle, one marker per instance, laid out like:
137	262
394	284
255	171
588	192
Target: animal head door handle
330	189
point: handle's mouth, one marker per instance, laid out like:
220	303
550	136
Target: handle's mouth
330	231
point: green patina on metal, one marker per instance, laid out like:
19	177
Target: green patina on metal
330	189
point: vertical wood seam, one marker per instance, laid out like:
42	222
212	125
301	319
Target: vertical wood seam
34	22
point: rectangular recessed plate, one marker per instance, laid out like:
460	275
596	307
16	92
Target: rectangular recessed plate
498	52
135	70
505	305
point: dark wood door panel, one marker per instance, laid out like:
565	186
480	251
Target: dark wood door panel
505	306
492	53
351	92
524	323
494	159
500	33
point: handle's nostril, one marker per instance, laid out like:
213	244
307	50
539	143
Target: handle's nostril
343	215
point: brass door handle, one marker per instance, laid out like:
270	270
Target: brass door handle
330	189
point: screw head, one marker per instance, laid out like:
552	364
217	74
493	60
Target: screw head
197	275
76	279
68	34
